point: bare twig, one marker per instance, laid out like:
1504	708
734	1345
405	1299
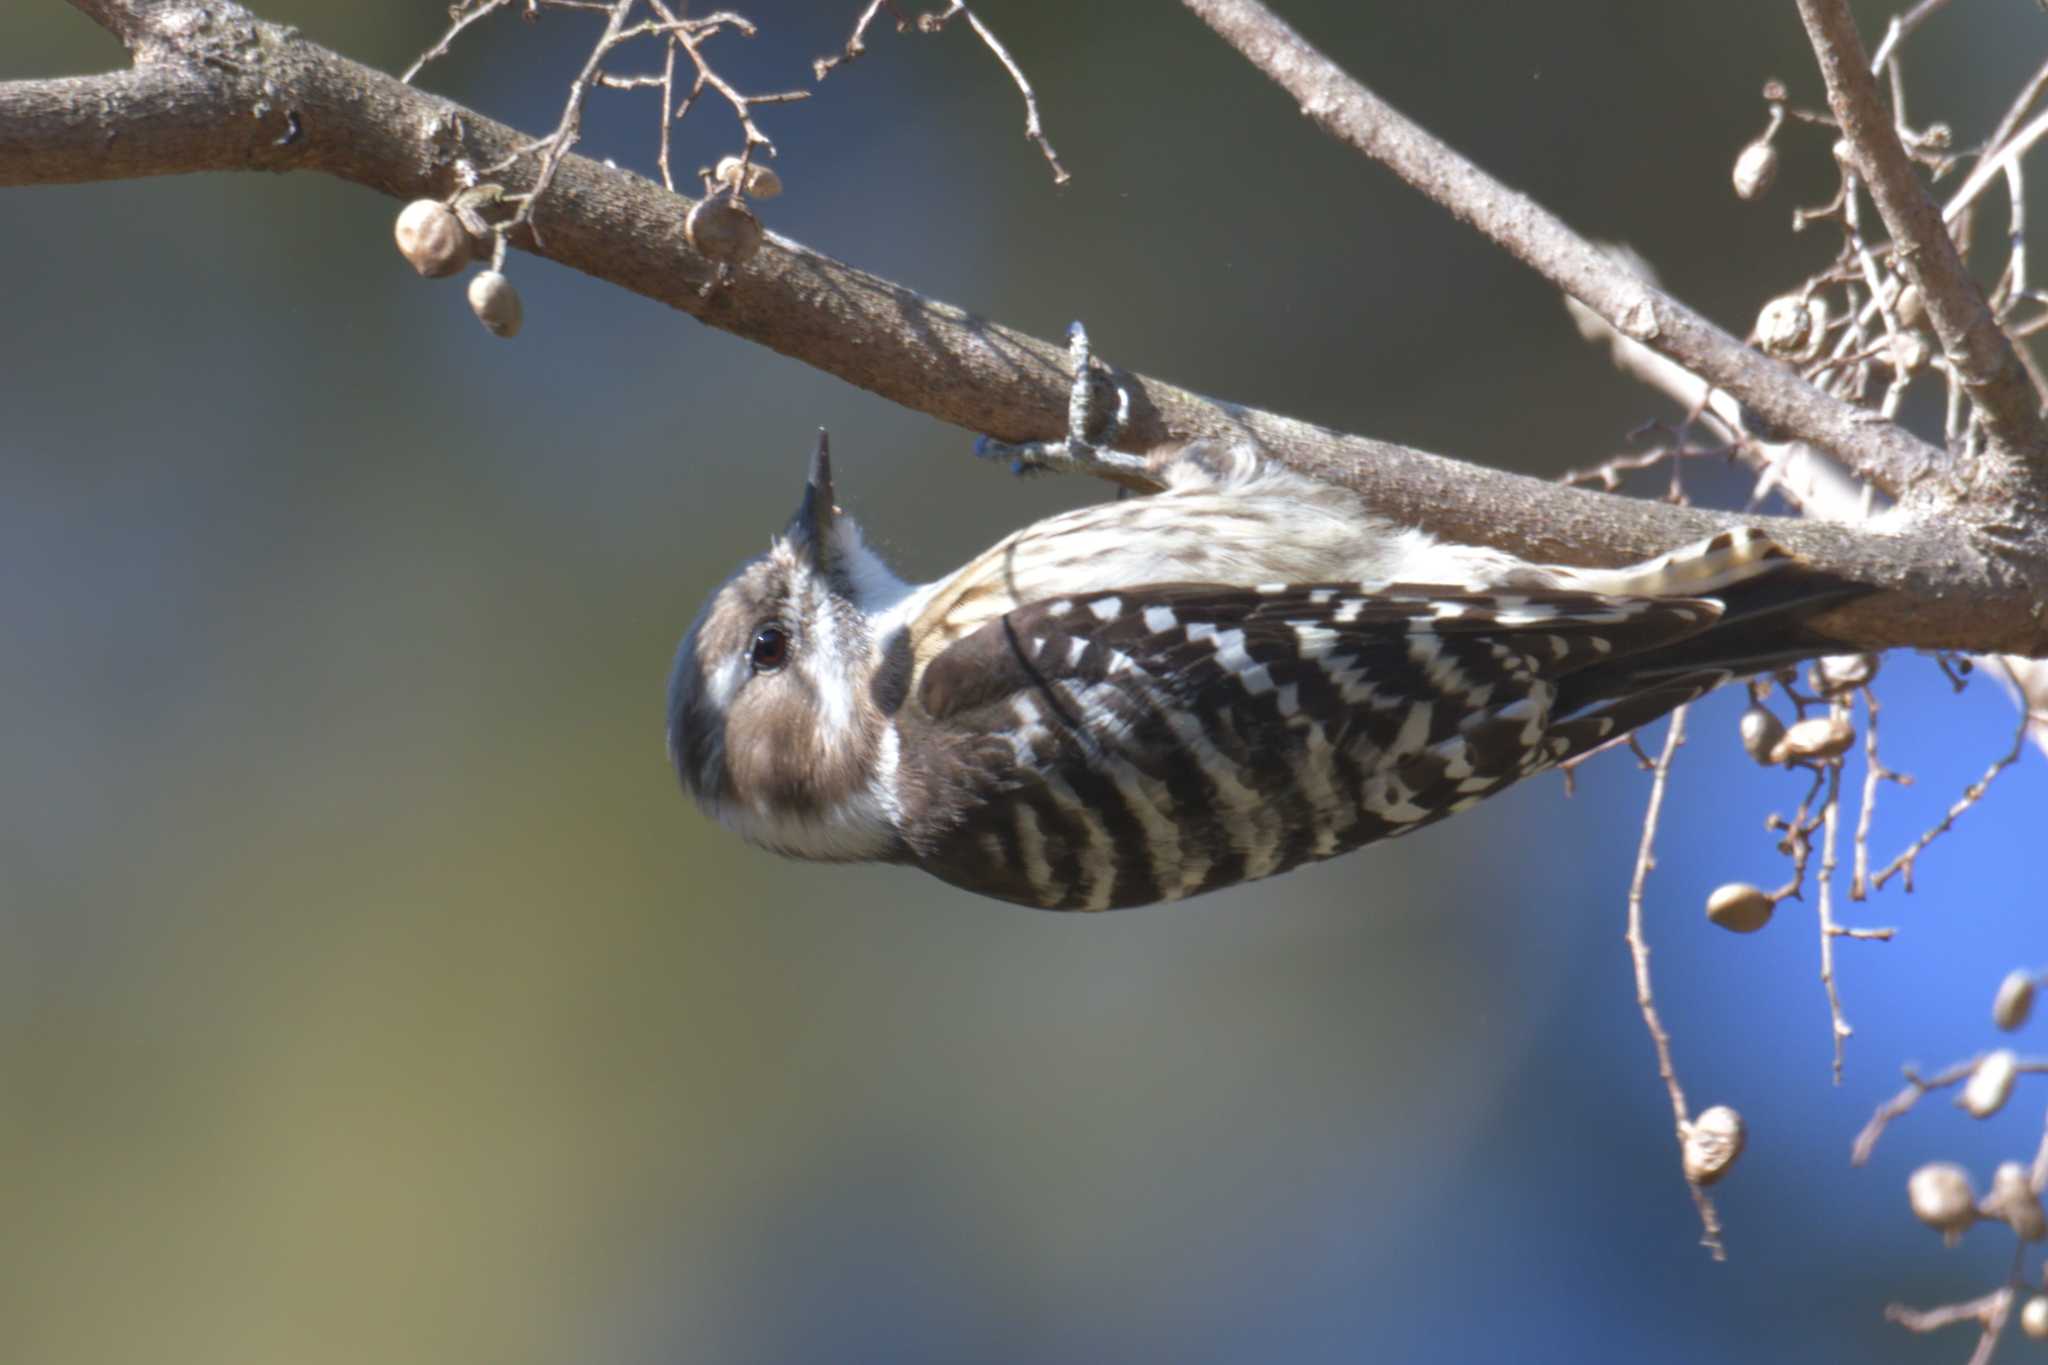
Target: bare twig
676	33
1347	110
1646	996
1610	473
1798	830
1034	128
1874	772
2027	680
1994	163
857	42
1977	349
668	115
1972	794
1989	1313
1900	28
1831	821
556	146
461	17
1809	479
1902	1103
1917	1086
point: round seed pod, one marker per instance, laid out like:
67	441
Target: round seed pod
723	229
2015	1000
1909	353
1840	673
1911	308
1740	908
1712	1142
748	177
1789	327
1990	1084
2034	1318
496	303
1941	1197
1756	167
1761	731
2013	1202
431	238
1814	739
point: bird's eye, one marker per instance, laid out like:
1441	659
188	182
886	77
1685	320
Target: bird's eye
770	649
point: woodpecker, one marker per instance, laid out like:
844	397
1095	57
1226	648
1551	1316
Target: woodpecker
1152	698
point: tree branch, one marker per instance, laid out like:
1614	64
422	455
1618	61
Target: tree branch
1976	346
1887	455
215	89
125	19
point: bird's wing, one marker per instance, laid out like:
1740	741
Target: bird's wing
1156	742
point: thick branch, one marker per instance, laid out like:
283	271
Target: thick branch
214	89
125	19
1887	455
1971	338
149	120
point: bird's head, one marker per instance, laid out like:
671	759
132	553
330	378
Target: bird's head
771	719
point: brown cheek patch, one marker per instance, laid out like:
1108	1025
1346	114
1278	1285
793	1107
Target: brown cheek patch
781	764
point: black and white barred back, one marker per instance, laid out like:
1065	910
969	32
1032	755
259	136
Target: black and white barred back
1145	700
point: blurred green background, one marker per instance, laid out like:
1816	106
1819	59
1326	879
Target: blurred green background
369	993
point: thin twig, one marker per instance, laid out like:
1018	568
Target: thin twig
1646	996
1033	129
1972	794
1977	347
856	44
1798	830
668	104
1809	479
1831	820
1900	28
1993	165
1900	1104
676	32
554	147
1347	110
461	21
1989	1312
1874	772
1611	473
1918	1085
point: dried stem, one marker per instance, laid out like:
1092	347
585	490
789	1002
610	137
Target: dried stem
1917	1086
1348	111
1033	129
1831	820
1798	830
1874	772
1646	995
1902	1103
676	33
460	18
1989	1312
856	43
1977	349
1972	794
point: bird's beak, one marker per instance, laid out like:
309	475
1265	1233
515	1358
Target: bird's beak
812	525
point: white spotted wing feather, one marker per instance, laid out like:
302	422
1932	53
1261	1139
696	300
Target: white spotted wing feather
1148	744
